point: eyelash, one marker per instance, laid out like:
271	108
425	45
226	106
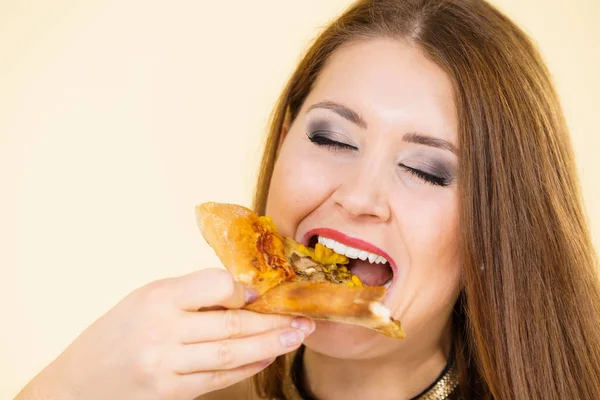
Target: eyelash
323	141
428	178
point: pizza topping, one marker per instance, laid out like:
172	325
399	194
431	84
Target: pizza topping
320	253
372	269
269	244
291	278
269	222
307	269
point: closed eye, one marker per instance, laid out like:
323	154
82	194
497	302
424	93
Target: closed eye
322	139
427	177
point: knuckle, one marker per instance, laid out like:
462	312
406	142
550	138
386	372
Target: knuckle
164	389
152	374
219	379
154	291
153	335
280	321
226	285
224	354
221	281
148	367
233	323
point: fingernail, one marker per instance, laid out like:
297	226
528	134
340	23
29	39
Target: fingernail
304	324
290	338
250	295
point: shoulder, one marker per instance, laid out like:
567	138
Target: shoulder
240	391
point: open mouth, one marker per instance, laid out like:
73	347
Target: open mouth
372	269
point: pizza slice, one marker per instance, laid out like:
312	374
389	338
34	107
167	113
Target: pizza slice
289	277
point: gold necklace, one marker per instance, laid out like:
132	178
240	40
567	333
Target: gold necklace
445	386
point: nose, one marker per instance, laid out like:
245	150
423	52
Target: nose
363	192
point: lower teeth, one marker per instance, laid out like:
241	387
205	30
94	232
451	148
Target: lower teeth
388	284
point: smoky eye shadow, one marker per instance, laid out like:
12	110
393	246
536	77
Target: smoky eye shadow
318	125
445	170
436	167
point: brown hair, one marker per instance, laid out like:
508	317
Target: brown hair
528	318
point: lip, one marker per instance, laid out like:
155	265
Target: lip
352	242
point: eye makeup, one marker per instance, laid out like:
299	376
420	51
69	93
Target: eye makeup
429	168
435	172
322	133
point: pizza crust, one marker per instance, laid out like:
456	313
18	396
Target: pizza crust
256	255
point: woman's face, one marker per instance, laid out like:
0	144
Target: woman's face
370	162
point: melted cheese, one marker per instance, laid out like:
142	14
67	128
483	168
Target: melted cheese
320	254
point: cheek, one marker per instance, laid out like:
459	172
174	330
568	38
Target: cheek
300	183
430	232
430	225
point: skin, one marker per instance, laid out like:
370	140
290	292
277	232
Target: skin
364	191
184	337
154	344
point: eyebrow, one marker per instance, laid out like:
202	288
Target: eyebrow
342	111
418	138
412	137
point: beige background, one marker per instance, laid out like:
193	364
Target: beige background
117	117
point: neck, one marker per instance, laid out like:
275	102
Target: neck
403	374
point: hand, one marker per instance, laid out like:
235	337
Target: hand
155	344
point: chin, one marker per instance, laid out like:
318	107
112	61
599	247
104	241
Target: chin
344	341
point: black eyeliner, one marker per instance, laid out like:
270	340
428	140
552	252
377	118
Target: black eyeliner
436	174
322	139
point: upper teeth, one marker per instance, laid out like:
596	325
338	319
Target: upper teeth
351	252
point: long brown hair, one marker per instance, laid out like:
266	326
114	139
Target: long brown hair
528	318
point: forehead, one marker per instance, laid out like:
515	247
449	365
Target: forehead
390	83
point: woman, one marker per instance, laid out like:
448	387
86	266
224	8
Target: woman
427	131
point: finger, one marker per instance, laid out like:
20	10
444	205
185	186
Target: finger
209	288
233	353
230	324
192	385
